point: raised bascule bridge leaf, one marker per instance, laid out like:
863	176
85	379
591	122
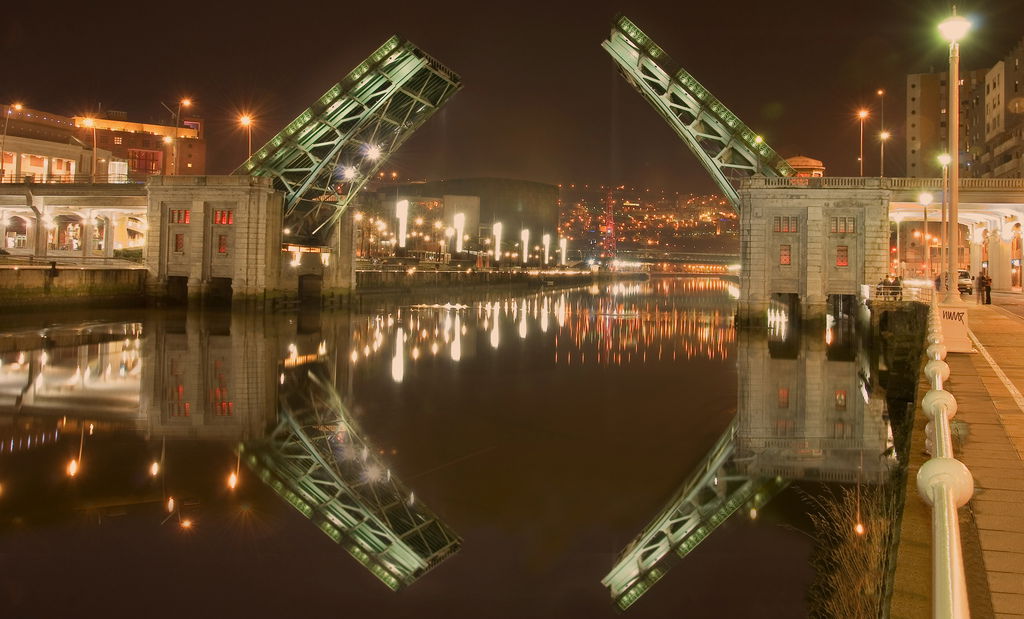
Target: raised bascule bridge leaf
323	158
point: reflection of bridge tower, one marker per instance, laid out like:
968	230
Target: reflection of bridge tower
807	416
608	226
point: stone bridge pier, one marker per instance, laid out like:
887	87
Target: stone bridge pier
218	237
803	242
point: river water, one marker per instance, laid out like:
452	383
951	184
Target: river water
487	456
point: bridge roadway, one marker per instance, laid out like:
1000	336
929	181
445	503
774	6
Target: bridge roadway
989	439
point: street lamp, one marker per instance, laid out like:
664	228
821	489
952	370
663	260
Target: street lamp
246	121
186	102
91	124
944	160
496	229
862	115
925	199
883	137
3	141
953	29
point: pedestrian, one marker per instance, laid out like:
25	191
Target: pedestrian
979	288
988	290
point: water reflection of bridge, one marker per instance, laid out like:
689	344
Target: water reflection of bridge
807	411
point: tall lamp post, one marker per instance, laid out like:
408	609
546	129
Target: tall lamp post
186	102
862	115
3	141
944	161
883	137
925	199
91	124
246	121
953	29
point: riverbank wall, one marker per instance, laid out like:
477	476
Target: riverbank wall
40	286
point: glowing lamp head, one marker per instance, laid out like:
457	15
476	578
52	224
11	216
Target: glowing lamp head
154	469
945	159
885	135
954	28
186	524
233	480
88	122
245	120
925	199
859	529
168	139
373	152
880	92
72	468
348	173
17	107
186	102
758	139
862	114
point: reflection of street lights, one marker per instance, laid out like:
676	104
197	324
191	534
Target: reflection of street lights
953	29
246	121
496	229
862	116
3	141
883	137
925	199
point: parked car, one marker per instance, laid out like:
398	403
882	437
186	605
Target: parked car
964	283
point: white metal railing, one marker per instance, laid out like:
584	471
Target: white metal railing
943	482
922	291
874	182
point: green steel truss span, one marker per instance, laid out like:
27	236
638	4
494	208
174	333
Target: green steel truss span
727	148
316	460
325	156
710	495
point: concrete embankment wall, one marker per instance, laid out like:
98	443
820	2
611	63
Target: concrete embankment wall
35	286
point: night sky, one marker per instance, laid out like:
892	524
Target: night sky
541	99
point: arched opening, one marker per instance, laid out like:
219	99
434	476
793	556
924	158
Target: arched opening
16	236
65	234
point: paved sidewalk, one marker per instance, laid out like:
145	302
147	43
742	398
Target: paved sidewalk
989	425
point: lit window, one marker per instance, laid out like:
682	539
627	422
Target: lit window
840	399
222	244
785	255
783	397
179	243
842	256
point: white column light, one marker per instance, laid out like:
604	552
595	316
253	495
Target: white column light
497	242
563	245
402	212
460	226
546	240
525	237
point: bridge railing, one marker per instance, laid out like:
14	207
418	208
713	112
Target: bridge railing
868	182
911	290
10	178
943	482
